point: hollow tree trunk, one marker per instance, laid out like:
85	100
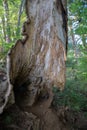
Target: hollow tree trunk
37	62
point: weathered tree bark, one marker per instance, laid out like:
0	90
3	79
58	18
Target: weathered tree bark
37	62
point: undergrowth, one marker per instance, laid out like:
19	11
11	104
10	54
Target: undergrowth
74	94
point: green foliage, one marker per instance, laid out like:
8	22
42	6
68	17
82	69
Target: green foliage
78	17
74	94
9	27
7	46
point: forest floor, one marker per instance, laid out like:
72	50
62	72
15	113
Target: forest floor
15	119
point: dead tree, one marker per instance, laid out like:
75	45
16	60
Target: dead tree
37	62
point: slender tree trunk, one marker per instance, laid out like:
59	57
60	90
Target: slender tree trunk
3	37
3	27
74	45
37	63
6	17
19	16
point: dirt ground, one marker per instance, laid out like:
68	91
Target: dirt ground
15	119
